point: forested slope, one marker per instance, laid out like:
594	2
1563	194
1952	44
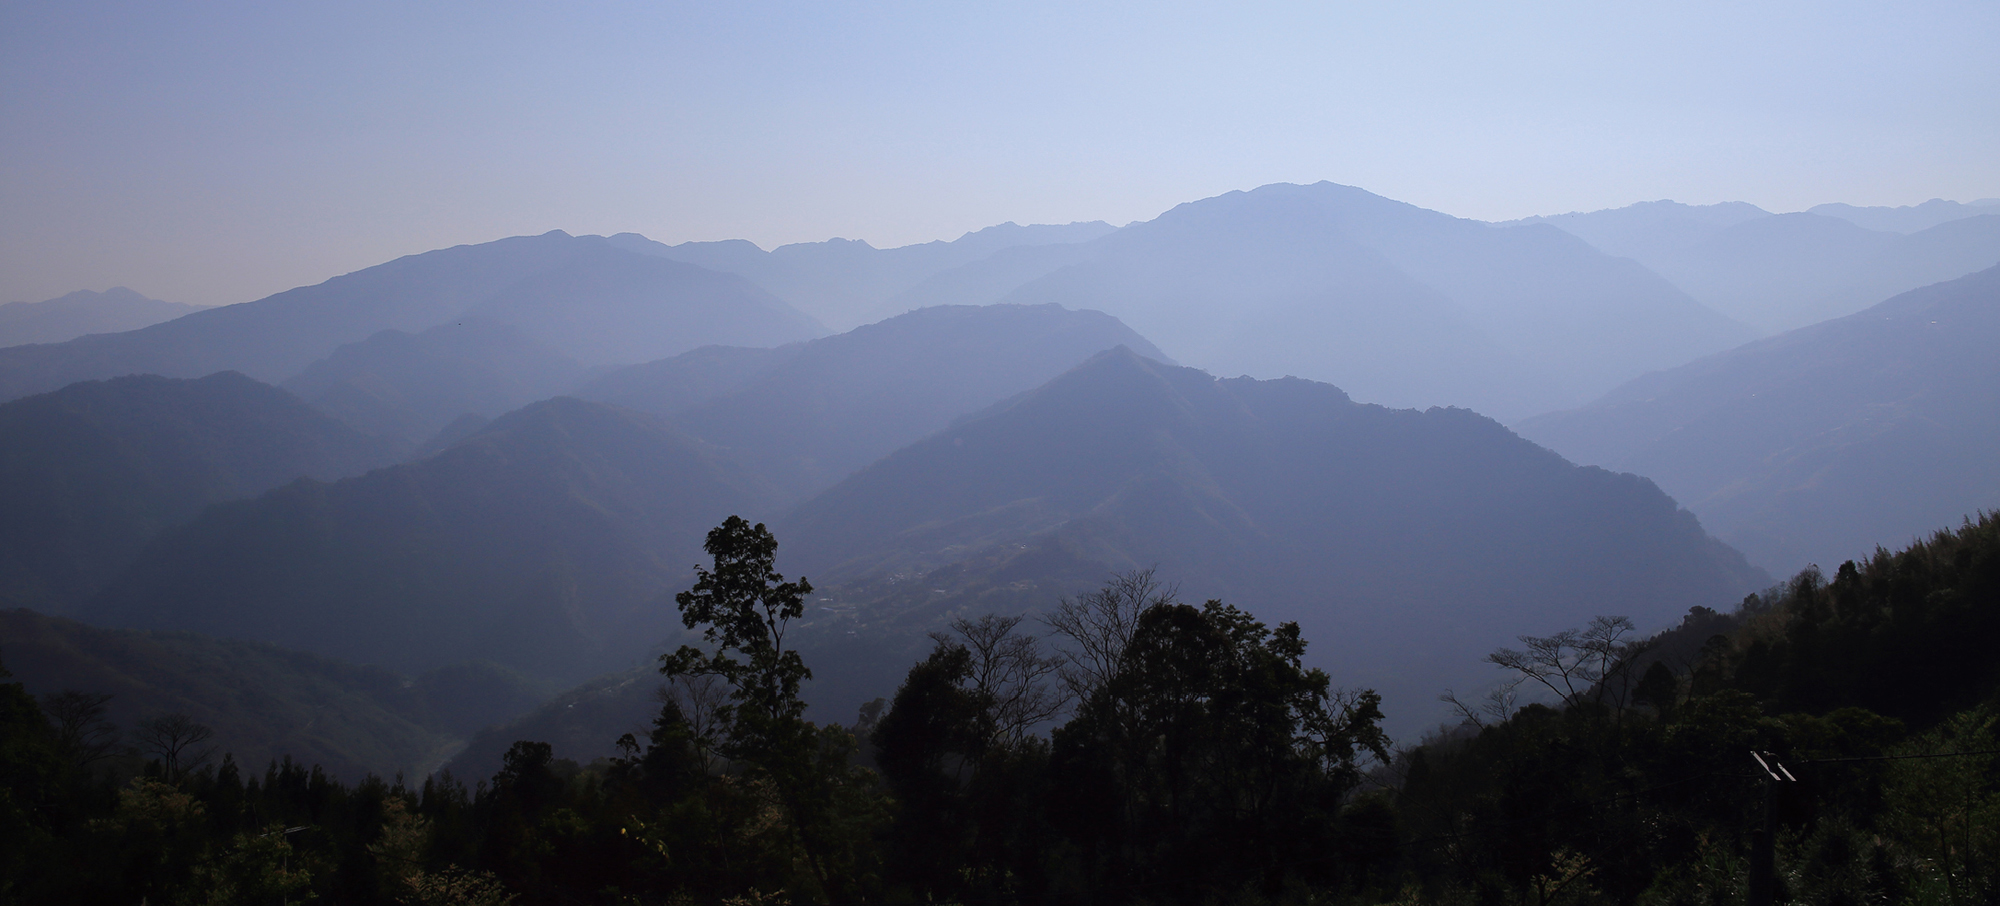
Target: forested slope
91	473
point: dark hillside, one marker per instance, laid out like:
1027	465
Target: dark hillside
1874	690
1818	444
92	472
1407	542
263	702
546	542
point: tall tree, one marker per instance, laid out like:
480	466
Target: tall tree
743	607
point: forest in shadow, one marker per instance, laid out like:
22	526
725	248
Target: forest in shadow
1831	740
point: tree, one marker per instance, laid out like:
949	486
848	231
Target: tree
82	732
743	606
1211	757
1578	664
175	739
1007	672
953	747
1099	626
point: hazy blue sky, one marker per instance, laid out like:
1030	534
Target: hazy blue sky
212	152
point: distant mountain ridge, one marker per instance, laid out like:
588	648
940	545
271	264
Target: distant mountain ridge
579	295
1908	218
410	386
1783	271
1395	303
846	282
83	312
1818	444
807	416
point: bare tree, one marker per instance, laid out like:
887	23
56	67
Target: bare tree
175	739
1099	626
1009	673
1578	664
703	701
81	728
1497	706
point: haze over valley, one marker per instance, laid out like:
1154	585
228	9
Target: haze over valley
550	424
1042	455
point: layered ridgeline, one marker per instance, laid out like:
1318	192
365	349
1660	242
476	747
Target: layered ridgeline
1911	218
846	282
83	312
807	416
1406	543
90	473
1397	304
580	296
1819	444
410	386
549	539
263	702
1782	271
547	542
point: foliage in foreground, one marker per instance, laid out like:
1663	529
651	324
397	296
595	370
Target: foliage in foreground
1148	751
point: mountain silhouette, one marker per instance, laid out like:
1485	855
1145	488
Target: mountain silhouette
1397	304
1816	445
1770	270
547	543
1782	271
1908	218
673	385
83	312
579	295
90	473
846	282
1646	230
1406	543
410	386
810	415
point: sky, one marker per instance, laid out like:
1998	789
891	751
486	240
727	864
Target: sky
216	152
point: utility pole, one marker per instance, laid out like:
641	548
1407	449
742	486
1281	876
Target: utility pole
1763	852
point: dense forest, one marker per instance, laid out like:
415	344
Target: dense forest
1126	748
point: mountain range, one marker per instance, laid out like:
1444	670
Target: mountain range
408	387
1406	543
809	415
546	542
548	539
580	296
846	282
91	473
83	312
1782	271
553	423
1817	445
